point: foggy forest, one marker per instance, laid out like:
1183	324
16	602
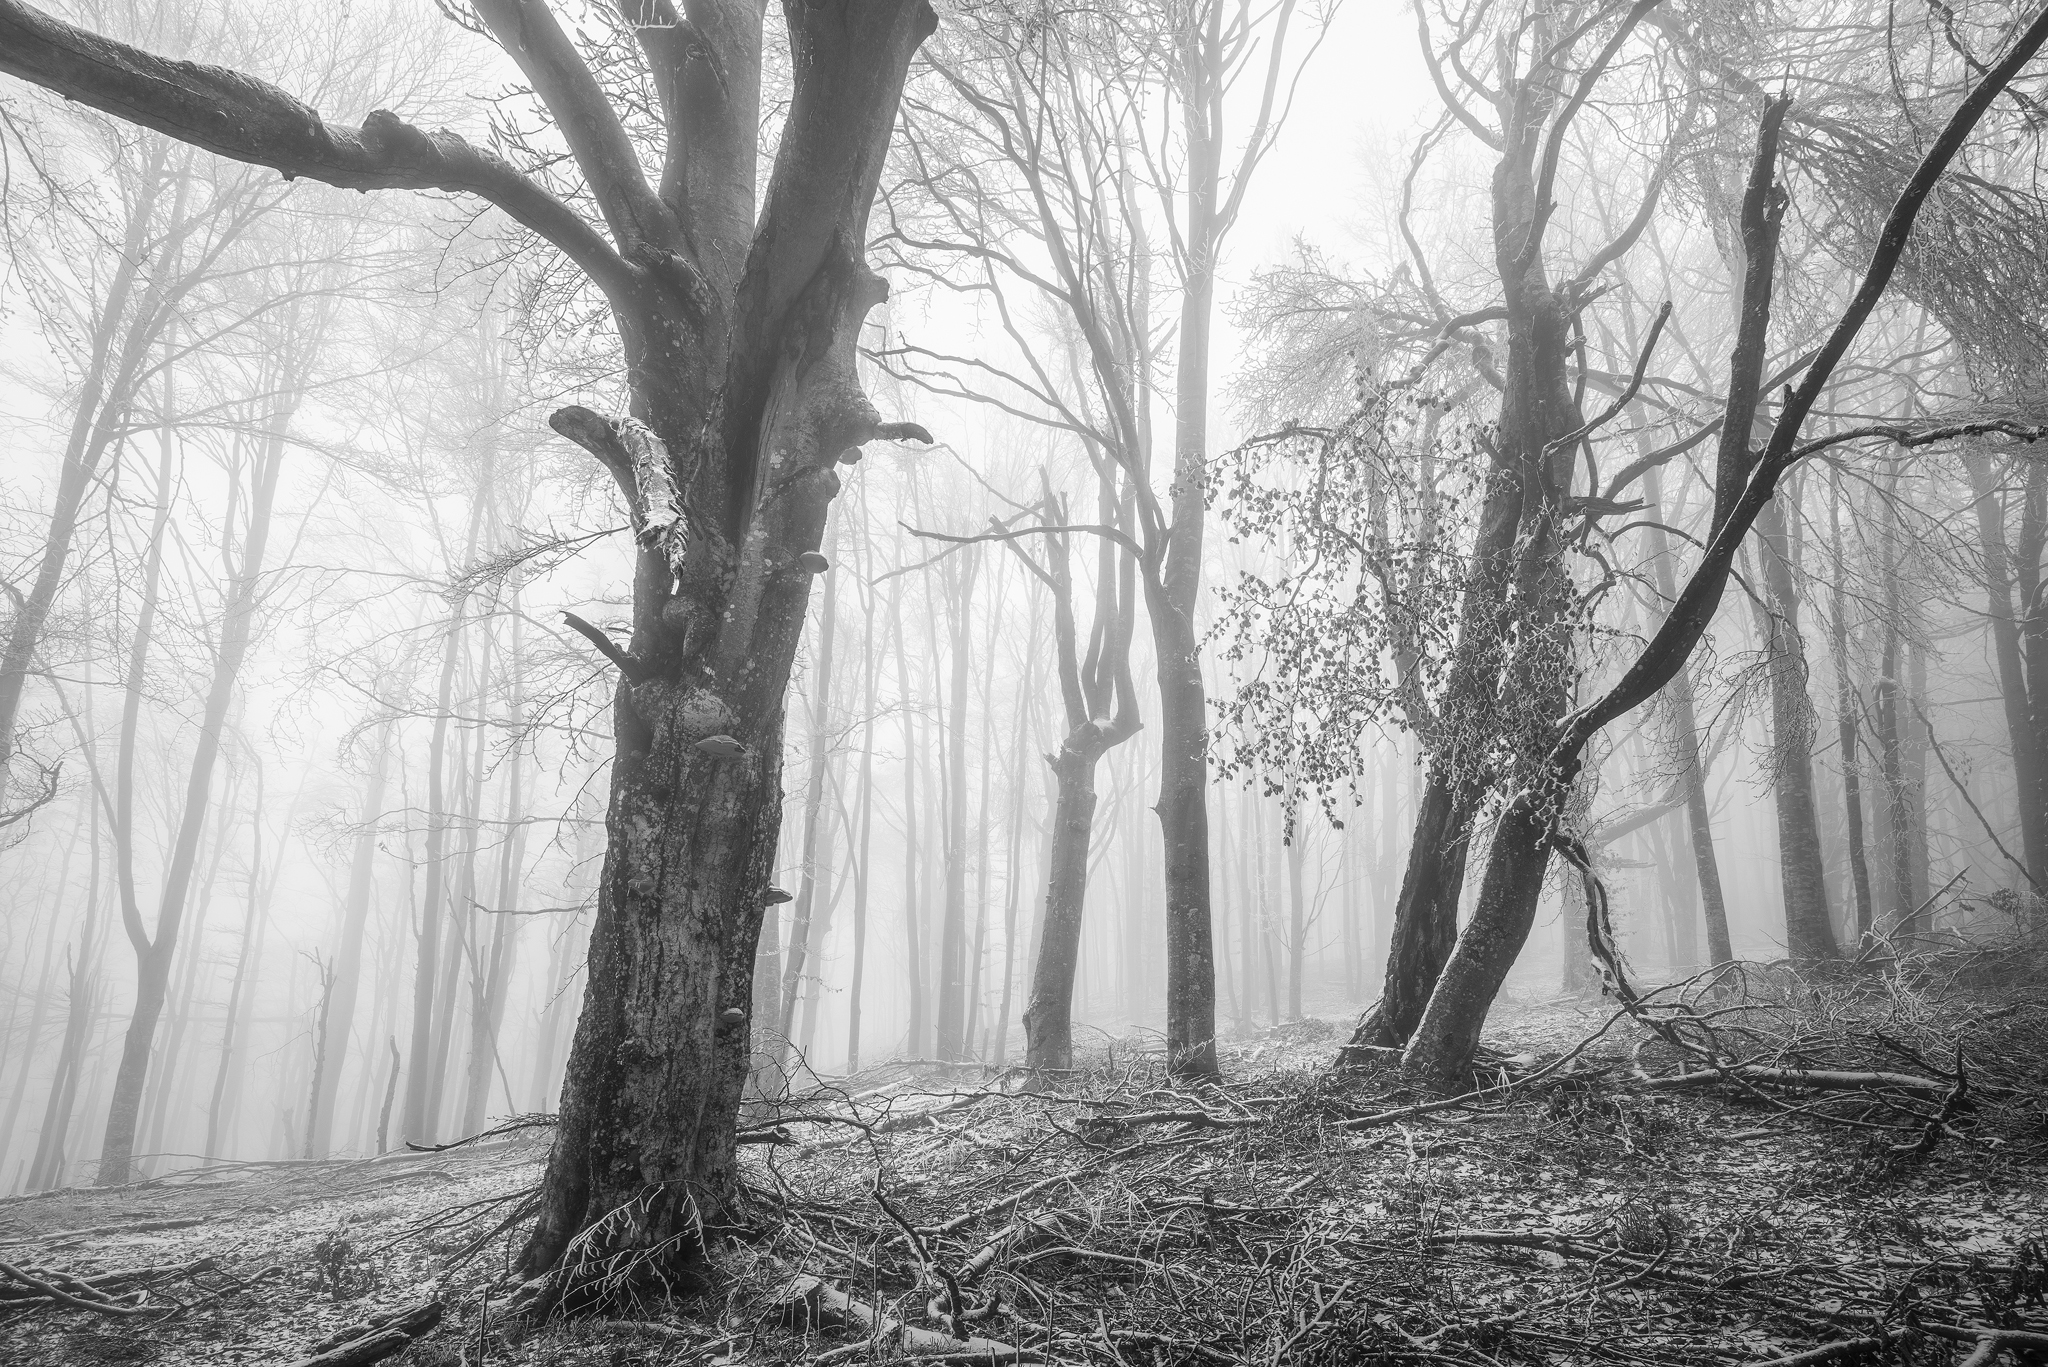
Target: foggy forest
1138	683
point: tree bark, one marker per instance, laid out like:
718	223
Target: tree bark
738	332
2030	777
1425	913
1809	926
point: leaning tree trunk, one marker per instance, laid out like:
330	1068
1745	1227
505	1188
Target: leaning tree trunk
1426	908
1425	913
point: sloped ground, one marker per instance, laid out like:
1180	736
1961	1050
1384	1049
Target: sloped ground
1573	1212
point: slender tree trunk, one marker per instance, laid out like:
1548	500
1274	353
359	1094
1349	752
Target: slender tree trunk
461	949
1297	921
1048	1016
490	985
1847	731
815	870
1685	742
166	1079
953	929
98	417
914	960
1809	927
250	955
865	800
1013	866
2029	775
339	1020
975	1010
417	1123
26	1050
154	954
1913	766
1184	829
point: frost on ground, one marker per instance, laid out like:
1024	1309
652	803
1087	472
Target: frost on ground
1591	1203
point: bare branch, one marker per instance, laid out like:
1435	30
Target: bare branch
245	119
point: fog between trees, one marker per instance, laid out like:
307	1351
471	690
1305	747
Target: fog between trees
1258	528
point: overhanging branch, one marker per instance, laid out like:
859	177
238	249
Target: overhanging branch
245	119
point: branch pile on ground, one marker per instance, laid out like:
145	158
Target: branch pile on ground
1609	1201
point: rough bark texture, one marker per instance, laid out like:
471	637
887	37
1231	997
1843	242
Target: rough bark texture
1425	914
738	330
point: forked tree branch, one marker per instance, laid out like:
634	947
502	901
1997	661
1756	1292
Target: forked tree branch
529	34
1116	534
245	119
1676	637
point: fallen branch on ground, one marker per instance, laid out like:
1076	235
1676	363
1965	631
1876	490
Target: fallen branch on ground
1805	1079
79	1295
380	1337
812	1302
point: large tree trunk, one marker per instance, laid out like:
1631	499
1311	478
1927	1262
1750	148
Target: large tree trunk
645	1144
738	335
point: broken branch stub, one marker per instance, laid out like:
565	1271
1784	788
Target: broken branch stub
639	463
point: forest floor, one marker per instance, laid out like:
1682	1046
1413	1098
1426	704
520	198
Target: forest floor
1589	1202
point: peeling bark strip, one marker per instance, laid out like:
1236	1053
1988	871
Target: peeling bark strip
738	323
